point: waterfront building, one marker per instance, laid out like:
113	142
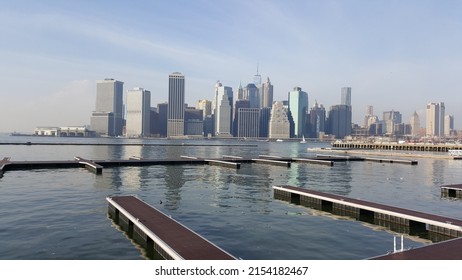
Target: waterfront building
265	116
267	94
346	96
238	105
415	124
154	122
248	122
138	113
223	110
448	124
279	125
317	119
435	119
298	107
209	126
193	121
391	118
107	119
64	131
162	109
340	121
176	105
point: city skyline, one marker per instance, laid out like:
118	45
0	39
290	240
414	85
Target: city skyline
394	55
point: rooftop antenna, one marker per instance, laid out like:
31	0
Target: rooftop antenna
257	77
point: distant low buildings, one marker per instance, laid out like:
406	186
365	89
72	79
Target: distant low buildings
64	131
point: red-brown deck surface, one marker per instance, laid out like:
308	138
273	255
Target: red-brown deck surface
446	250
182	240
379	206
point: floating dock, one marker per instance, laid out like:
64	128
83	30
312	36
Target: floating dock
432	227
429	147
158	232
454	191
97	166
445	250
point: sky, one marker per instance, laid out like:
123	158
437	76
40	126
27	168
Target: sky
395	55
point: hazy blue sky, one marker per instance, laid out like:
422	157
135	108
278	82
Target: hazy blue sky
393	54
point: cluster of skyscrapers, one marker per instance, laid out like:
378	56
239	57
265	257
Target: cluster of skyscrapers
248	112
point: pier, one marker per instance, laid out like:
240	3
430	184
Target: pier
429	226
160	234
235	162
425	147
445	250
5	161
454	191
90	165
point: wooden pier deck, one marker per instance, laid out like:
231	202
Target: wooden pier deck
454	191
401	220
169	238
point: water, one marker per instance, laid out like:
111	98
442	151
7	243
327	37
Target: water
62	213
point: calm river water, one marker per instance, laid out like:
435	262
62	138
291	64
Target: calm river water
62	213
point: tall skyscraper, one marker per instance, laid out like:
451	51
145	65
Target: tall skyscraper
391	119
415	124
448	124
162	109
251	93
369	114
317	120
265	116
248	122
279	126
176	105
267	94
240	92
340	121
298	107
223	110
107	119
138	113
435	119
238	105
346	96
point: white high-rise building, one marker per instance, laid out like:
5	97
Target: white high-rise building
176	105
223	110
138	116
435	119
279	125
